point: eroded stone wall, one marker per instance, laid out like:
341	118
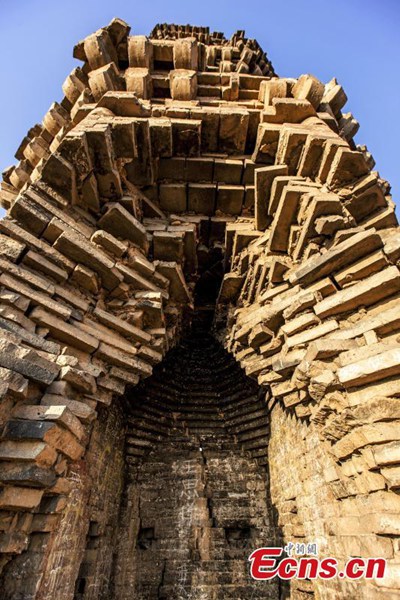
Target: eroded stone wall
197	501
200	513
174	162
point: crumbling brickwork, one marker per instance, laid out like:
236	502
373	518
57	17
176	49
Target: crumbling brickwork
181	189
196	500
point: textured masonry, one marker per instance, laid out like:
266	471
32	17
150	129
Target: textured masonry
184	199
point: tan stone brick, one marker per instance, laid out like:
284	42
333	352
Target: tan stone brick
348	251
311	334
20	498
309	88
368	291
58	414
38	452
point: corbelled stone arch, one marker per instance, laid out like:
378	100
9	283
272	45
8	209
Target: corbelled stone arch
168	156
315	321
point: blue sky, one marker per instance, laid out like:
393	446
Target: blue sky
356	41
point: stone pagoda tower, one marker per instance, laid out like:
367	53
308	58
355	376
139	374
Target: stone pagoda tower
199	331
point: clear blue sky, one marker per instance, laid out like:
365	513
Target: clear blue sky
356	41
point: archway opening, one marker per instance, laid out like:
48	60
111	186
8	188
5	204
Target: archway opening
195	499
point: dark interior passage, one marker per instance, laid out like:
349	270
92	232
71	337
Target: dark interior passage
196	499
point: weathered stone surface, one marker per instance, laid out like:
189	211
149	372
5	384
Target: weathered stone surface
334	96
138	80
78	248
285	217
267	143
121	359
173	197
185	54
340	255
387	454
65	332
369	291
309	88
371	264
19	498
181	193
137	281
104	79
109	243
27	362
10	249
31	339
81	410
298	324
168	245
26	475
367	434
263	183
380	366
99	49
230	288
139	51
312	334
178	289
38	452
183	84
347	167
58	414
47	431
288	110
124	327
120	223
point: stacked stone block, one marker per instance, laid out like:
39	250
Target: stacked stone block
172	160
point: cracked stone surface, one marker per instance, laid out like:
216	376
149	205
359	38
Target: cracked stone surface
199	330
